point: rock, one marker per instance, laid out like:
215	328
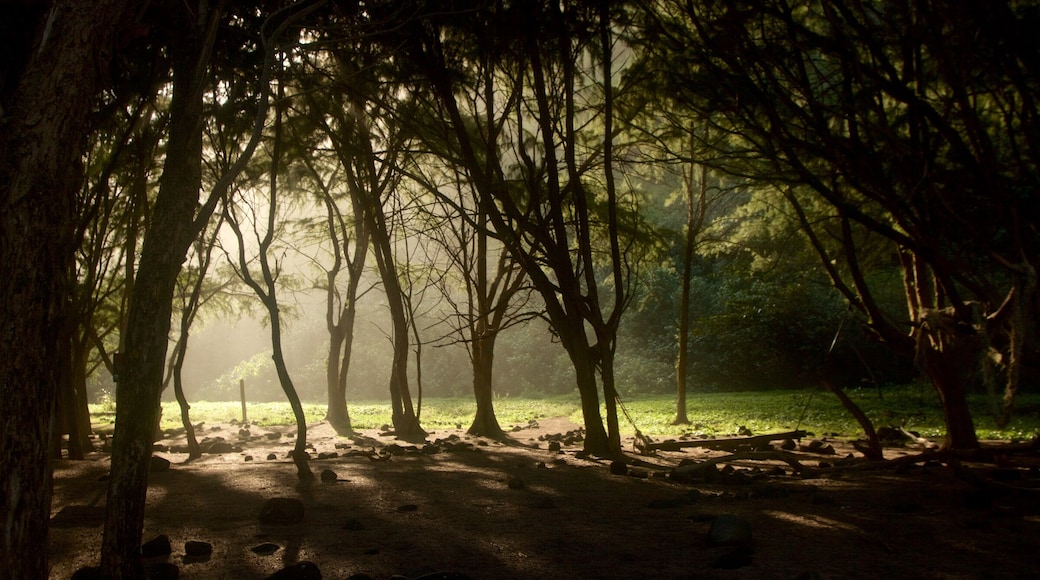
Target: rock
729	530
271	457
265	549
157	546
158	464
297	571
219	447
327	455
328	476
408	507
817	446
196	548
554	446
695	473
788	445
618	468
274	435
282	510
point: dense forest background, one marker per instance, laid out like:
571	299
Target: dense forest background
499	198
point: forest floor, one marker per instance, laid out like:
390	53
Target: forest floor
471	507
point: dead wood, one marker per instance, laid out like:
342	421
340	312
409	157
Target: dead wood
788	458
727	444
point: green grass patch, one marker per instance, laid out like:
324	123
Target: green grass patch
915	408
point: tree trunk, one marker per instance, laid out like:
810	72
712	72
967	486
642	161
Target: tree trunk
610	394
40	173
303	471
950	373
485	423
336	412
596	441
168	236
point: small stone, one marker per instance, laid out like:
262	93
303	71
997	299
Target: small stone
274	435
328	476
265	549
196	548
282	510
157	546
515	483
618	468
247	458
554	446
271	457
408	507
158	464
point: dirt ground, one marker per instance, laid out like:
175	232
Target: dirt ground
480	509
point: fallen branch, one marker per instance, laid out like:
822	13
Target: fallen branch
728	444
788	458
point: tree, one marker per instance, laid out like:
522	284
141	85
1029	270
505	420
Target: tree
266	288
174	224
904	120
46	125
563	169
368	150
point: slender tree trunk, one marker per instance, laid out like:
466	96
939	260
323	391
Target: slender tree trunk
80	353
682	355
336	412
194	451
303	471
40	172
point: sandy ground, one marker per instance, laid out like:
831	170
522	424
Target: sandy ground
477	508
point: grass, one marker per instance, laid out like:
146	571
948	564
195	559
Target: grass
711	413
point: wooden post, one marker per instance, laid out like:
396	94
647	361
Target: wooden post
242	392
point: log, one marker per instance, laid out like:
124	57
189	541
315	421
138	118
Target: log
727	444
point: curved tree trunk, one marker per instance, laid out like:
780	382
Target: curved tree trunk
169	234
